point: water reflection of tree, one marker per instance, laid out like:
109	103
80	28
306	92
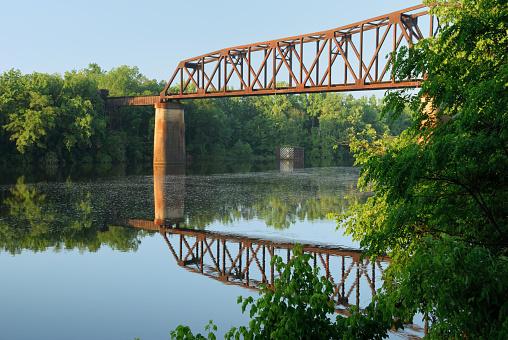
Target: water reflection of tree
86	216
31	220
276	200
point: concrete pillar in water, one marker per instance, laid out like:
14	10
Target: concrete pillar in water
169	134
169	194
286	165
289	158
169	163
159	196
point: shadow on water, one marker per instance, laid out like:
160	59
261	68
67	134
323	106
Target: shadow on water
196	166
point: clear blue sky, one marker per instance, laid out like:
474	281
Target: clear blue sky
59	35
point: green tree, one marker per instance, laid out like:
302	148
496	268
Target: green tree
28	103
64	119
125	81
297	307
439	209
45	114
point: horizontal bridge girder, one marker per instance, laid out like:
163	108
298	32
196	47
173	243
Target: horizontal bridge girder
132	101
297	90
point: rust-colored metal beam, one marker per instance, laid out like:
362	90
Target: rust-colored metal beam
246	261
132	101
355	57
315	62
149	225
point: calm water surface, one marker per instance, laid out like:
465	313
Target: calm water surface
101	258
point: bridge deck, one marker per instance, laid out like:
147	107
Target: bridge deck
149	225
132	101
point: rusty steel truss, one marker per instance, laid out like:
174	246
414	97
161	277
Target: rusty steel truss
246	262
348	58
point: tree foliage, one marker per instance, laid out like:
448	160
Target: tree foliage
62	119
439	205
33	220
296	307
439	208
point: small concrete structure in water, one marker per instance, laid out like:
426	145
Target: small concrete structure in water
289	158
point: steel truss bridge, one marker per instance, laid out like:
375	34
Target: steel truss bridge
246	262
353	57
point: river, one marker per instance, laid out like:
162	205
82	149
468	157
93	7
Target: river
120	256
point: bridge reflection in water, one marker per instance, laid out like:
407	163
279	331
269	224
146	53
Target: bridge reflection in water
246	261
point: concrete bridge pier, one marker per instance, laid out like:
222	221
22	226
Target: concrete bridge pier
169	163
169	135
169	194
